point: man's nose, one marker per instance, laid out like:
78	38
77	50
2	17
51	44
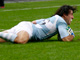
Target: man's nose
72	17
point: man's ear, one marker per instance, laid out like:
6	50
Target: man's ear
64	15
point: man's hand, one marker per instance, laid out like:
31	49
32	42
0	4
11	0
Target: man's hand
34	22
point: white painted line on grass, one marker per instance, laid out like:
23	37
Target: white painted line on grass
31	8
36	8
76	31
17	9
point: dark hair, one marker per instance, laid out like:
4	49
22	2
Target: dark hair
65	9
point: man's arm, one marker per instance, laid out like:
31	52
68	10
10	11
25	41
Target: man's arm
68	38
71	35
65	33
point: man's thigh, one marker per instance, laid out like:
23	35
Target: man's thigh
22	37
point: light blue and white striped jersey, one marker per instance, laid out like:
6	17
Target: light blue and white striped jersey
46	28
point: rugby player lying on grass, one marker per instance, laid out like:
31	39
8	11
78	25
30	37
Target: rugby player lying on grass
43	28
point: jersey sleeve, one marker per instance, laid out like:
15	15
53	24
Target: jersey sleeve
62	30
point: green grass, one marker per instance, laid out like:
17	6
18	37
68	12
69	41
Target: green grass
45	50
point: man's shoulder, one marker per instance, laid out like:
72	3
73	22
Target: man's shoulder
61	20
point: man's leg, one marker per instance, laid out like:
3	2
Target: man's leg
22	37
2	40
8	36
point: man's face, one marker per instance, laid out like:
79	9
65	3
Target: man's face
68	18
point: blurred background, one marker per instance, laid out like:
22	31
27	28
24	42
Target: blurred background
28	10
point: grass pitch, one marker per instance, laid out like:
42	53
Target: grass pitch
51	49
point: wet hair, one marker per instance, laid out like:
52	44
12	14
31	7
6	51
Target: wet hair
65	9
